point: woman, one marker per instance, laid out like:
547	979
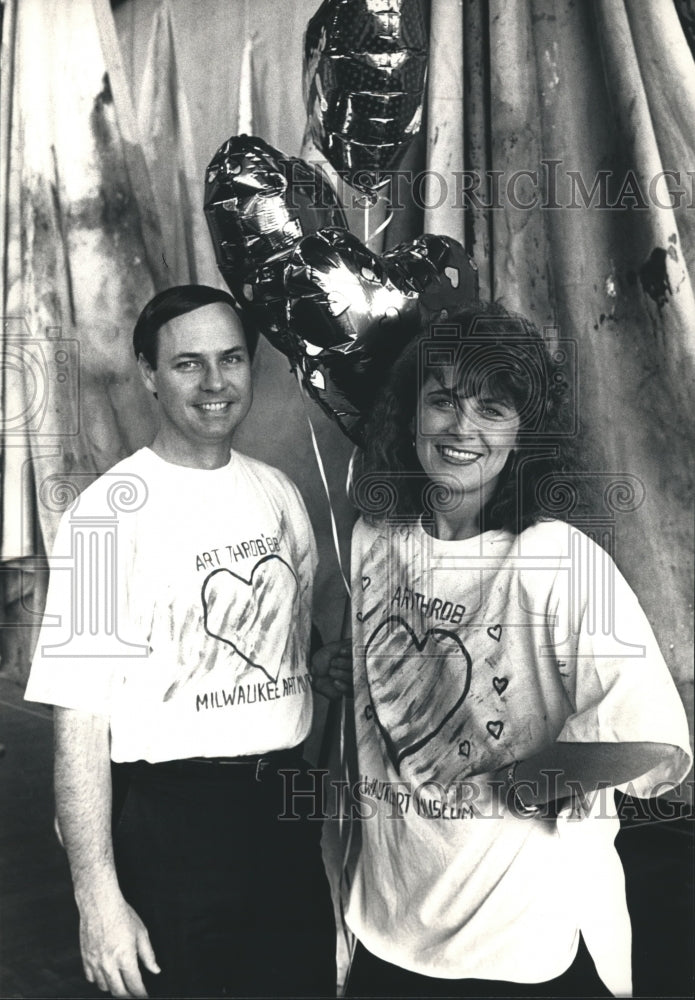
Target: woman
496	688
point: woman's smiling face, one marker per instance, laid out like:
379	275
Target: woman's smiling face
463	442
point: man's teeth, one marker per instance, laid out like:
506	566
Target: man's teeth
213	406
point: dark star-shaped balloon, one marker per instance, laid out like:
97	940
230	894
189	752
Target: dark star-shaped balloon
365	67
259	203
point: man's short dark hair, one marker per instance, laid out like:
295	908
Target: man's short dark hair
177	301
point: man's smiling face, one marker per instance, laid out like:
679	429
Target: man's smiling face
202	381
464	441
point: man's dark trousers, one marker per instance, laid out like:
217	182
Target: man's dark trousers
235	898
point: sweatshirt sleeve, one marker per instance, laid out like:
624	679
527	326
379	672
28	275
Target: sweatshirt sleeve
617	680
86	634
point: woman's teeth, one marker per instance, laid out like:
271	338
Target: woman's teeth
458	454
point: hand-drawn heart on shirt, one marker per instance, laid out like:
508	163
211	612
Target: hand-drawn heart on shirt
415	684
254	615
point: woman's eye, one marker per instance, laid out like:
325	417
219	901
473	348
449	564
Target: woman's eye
443	402
491	411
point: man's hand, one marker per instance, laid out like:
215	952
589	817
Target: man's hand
331	669
112	938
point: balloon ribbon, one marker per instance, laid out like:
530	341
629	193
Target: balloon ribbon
324	480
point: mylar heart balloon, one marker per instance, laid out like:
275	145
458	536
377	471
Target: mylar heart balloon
365	70
259	203
352	312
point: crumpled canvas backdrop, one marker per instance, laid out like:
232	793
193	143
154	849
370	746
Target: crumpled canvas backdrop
108	121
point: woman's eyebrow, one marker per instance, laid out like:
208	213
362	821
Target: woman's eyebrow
441	386
495	398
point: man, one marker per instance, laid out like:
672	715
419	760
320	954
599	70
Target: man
201	890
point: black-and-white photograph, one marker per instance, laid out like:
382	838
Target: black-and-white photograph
346	538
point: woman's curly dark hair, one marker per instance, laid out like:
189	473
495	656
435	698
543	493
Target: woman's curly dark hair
493	352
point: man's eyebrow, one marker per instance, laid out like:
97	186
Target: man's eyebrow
238	349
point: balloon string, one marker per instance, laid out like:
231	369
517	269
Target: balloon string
379	229
350	478
382	227
345	842
322	473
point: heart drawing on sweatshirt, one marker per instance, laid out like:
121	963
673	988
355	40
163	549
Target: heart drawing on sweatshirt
253	616
416	684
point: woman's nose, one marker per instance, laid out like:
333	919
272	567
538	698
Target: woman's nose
465	419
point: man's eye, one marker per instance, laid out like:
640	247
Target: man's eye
233	359
185	365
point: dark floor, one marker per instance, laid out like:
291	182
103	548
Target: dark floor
39	955
659	862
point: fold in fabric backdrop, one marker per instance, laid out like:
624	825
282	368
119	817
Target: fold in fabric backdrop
562	90
77	263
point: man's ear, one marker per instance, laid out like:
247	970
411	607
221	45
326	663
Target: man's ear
147	374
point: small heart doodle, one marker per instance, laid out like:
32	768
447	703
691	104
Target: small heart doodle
500	684
465	748
495	728
495	632
366	581
416	683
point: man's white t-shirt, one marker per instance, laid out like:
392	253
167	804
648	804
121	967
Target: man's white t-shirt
179	604
468	655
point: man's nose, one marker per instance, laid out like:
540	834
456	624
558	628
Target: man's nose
213	378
